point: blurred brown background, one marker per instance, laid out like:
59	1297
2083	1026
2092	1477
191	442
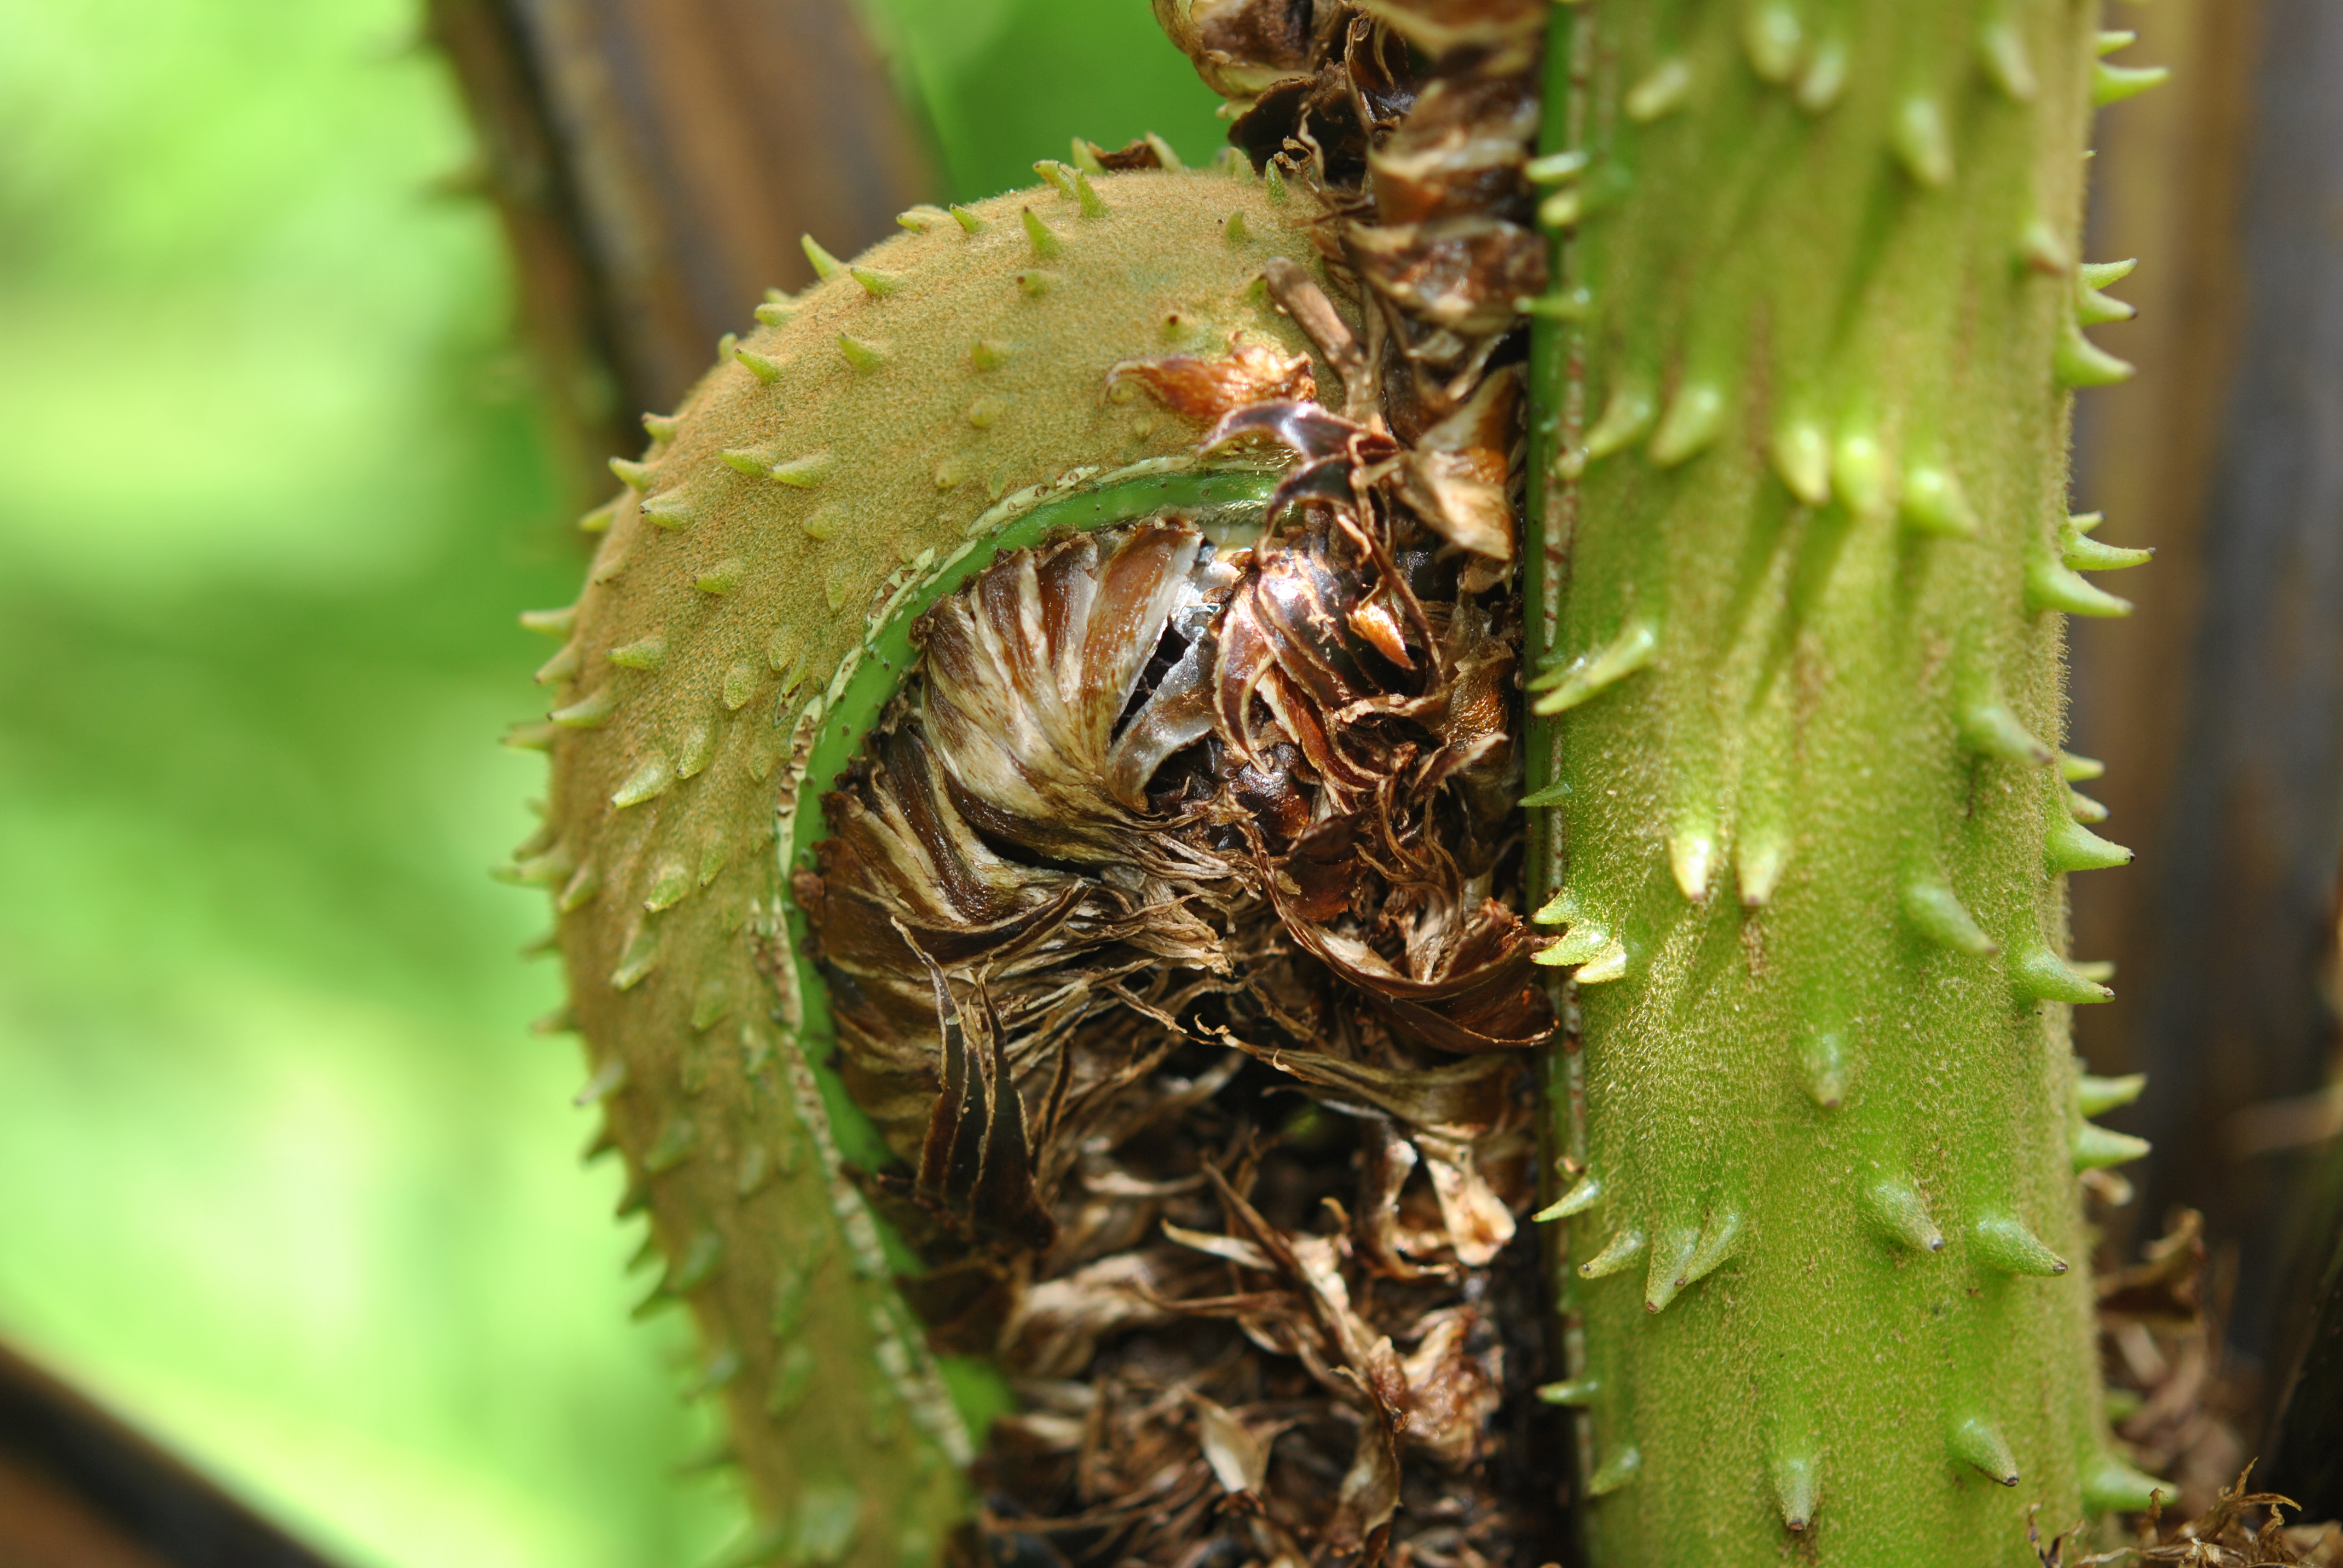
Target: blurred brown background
2219	705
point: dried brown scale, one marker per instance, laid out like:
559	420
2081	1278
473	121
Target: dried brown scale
1169	915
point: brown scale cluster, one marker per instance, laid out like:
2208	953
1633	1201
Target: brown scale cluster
1171	915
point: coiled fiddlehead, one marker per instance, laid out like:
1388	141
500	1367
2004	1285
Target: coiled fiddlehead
981	794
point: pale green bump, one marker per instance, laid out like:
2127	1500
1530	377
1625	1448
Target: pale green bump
2099	274
825	266
922	219
1085	155
2003	1243
2052	585
579	890
2001	49
1798	1489
1047	246
990	352
2080	770
804	473
598	521
1862	475
792	1375
2077	361
1823	81
2113	83
1663	91
1802	459
670	513
1584	1195
2071	846
984	412
701	1257
1976	1442
1922	142
2079	550
1692	857
1597	670
1234	230
1615	1471
1665	1273
1934	503
2096	1147
1585	942
550	622
1761	853
1556	168
559	668
698	749
1571	1392
677	1140
1773	38
1273	182
2041	249
1563	208
741	683
826	521
634	475
670	883
2093	309
660	427
647	783
2041	975
1058	176
647	653
878	285
1558	910
764	369
641	957
862	355
2083	809
2108	40
2096	1096
722	577
1087	198
745	460
2111	1486
1989	728
1624	1250
1036	283
1721	1241
1695	419
1825	1066
1896	1210
1165	157
709	1003
587	712
1934	912
608	1080
968	222
1608	965
1572	304
1624	420
713	858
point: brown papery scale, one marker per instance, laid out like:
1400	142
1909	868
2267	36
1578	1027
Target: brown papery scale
1169	915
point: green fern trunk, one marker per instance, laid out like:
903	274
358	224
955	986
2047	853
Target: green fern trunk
1802	405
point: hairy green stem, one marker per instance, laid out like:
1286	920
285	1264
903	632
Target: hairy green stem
1800	433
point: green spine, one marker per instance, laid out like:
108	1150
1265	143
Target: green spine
1799	432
